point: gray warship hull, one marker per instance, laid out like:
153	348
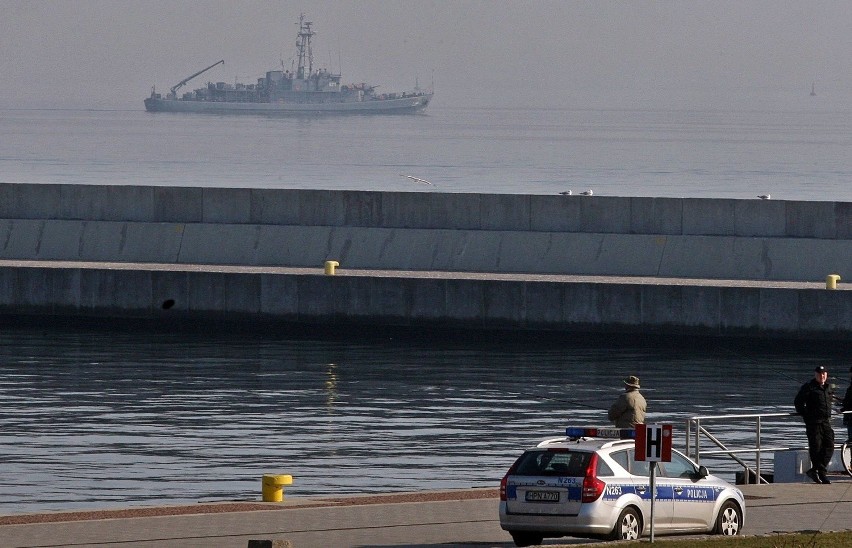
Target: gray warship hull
403	105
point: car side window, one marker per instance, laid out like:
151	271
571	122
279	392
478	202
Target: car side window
604	470
621	458
679	467
637	467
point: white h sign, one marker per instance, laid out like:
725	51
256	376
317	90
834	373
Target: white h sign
654	442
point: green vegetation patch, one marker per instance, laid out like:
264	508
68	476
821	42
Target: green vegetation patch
793	540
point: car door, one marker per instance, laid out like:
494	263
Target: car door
663	503
693	501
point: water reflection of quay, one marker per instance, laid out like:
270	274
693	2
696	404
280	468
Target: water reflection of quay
136	418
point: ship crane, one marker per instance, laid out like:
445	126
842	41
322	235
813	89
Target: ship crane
188	78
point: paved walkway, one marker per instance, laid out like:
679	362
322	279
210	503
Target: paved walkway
427	274
456	518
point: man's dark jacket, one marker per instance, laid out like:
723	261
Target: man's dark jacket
813	402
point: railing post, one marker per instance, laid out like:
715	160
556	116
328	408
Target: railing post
688	437
757	464
697	432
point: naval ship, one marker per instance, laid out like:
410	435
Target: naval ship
304	90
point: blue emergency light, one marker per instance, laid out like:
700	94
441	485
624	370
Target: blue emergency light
600	432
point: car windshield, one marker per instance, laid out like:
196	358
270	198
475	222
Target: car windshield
553	463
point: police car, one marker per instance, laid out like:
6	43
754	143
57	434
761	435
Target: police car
589	484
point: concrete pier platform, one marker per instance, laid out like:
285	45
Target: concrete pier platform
457	518
190	293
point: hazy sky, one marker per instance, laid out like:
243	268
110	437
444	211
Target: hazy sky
108	53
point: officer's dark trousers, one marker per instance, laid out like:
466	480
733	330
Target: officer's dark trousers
820	444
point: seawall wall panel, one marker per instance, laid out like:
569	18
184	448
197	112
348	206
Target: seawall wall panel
115	293
656	216
26	201
700	309
811	220
428	300
109	203
760	218
279	297
176	205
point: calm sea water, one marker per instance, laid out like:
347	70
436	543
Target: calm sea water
117	418
101	418
801	155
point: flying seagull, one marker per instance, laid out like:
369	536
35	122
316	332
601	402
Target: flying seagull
764	196
417	179
587	192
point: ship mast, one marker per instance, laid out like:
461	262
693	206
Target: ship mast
304	45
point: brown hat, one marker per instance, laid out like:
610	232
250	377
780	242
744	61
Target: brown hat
632	381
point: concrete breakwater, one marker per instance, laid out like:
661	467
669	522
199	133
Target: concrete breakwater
701	266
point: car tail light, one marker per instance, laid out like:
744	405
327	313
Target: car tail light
505	480
593	488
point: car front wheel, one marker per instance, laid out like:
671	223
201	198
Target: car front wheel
730	520
628	526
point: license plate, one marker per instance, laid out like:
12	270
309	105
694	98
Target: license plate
542	496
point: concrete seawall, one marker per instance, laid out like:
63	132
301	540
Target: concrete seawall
417	259
667	237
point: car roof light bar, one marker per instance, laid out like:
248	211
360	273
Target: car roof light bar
600	432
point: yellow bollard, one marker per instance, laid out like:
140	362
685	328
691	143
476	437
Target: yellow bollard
831	281
330	266
273	486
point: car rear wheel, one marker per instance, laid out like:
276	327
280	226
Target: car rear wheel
526	539
730	520
628	526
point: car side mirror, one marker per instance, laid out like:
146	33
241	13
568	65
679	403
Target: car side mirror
702	472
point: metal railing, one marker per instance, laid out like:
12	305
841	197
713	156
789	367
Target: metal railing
696	430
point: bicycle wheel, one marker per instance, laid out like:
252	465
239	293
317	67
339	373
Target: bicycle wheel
846	457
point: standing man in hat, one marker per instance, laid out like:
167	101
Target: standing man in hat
629	409
813	403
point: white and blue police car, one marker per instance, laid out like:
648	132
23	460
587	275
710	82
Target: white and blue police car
589	484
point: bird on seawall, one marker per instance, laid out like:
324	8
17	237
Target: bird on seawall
764	196
587	192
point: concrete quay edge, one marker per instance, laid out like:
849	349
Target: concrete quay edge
424	274
485	301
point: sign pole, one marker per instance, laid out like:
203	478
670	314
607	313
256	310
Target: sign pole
653	445
653	495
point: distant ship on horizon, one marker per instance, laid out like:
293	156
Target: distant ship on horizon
305	90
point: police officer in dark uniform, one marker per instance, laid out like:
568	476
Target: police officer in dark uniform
813	403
